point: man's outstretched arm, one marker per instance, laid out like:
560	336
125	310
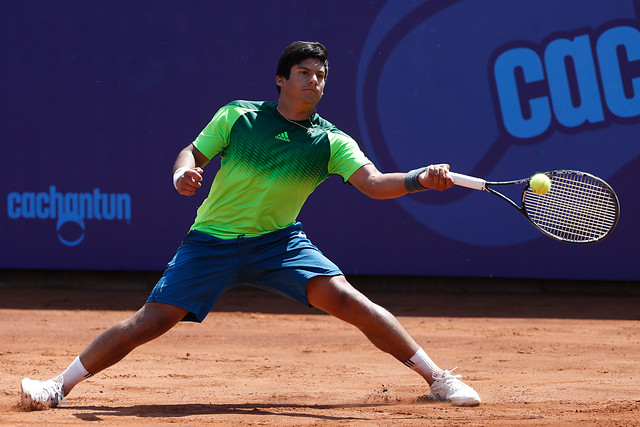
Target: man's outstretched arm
377	185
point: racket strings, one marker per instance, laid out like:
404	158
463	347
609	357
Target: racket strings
581	208
576	208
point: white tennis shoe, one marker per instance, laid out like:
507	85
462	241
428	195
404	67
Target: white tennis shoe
42	394
448	388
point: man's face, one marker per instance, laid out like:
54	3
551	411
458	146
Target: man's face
306	82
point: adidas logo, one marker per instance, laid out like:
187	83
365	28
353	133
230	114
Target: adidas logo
284	136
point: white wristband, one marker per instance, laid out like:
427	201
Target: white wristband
178	174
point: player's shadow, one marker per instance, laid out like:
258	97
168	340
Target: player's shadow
98	413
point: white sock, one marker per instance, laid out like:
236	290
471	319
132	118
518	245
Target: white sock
422	364
75	373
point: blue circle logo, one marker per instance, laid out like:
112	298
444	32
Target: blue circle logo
499	90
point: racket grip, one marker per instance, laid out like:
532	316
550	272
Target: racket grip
467	181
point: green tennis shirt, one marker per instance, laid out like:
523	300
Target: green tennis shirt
268	167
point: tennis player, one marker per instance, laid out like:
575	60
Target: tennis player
273	155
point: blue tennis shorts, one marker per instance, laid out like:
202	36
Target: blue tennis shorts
204	267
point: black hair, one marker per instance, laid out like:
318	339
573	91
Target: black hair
297	52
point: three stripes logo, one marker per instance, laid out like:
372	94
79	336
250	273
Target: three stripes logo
284	136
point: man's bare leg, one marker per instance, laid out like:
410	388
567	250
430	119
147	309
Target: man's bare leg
334	295
151	321
112	345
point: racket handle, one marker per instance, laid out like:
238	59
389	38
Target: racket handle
467	181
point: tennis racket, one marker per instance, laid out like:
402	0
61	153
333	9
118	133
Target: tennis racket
578	208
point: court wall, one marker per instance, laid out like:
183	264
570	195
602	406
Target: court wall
99	97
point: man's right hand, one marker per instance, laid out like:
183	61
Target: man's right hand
187	180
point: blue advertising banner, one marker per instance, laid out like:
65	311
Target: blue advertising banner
99	97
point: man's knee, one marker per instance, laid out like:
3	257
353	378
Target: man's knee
336	296
152	320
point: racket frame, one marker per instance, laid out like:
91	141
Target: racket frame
483	185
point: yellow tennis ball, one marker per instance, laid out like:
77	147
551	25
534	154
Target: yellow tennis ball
540	183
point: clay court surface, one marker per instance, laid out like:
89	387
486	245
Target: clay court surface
263	360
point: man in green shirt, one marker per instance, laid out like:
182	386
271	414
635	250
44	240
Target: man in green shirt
272	156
